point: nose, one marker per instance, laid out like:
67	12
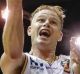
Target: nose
46	23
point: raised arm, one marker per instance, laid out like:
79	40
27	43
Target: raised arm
13	33
12	60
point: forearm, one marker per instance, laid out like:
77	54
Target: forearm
75	65
13	33
12	4
77	69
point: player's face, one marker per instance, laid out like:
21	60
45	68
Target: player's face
45	28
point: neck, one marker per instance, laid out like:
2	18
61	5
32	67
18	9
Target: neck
48	56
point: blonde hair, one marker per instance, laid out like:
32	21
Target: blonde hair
58	9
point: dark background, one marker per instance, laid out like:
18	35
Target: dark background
71	24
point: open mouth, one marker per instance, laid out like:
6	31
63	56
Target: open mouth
45	33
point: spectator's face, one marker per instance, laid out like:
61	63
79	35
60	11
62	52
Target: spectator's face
45	28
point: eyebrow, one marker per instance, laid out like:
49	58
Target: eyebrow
55	17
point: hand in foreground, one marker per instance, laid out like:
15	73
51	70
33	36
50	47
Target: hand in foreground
75	49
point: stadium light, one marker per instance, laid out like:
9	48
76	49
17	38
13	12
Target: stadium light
5	13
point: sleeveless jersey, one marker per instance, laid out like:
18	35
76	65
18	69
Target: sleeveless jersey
36	65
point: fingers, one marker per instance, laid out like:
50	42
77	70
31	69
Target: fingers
74	50
72	43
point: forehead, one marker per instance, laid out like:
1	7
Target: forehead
47	13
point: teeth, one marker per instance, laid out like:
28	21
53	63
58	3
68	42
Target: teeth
44	33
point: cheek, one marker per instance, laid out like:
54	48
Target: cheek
34	31
36	27
57	34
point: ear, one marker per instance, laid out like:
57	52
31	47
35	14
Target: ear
29	31
60	38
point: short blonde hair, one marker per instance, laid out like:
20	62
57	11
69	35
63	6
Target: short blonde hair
58	9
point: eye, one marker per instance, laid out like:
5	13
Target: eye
41	20
53	22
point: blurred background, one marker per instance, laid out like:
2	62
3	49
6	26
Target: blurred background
71	23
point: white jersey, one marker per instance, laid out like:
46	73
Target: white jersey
38	66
